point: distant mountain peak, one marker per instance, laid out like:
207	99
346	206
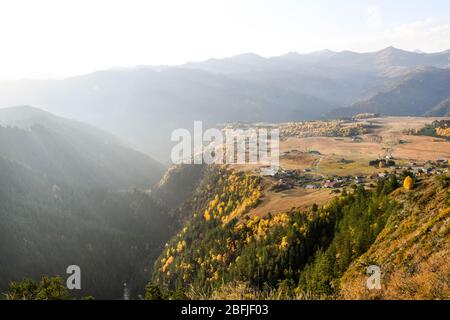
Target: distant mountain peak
289	54
392	50
24	113
25	108
246	57
324	52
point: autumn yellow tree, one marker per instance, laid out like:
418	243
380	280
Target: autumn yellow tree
408	183
444	132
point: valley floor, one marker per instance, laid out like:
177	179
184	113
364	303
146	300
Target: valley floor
318	160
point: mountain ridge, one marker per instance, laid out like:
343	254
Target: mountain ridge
415	94
70	151
143	105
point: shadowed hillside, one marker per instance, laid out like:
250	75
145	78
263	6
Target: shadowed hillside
69	195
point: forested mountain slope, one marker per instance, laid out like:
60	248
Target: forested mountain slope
222	252
178	184
69	152
70	194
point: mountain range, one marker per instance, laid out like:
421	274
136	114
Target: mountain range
143	105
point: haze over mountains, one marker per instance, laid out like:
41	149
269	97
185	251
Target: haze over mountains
421	92
67	196
72	153
144	104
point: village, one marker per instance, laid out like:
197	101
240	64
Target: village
320	158
308	178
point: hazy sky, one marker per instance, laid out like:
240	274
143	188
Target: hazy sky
54	38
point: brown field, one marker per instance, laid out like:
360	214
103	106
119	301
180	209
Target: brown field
298	160
386	138
417	148
274	203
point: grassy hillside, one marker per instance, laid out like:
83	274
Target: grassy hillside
413	250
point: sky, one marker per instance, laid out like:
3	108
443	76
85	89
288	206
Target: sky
60	38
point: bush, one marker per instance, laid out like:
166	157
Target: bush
443	181
46	289
408	183
152	292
